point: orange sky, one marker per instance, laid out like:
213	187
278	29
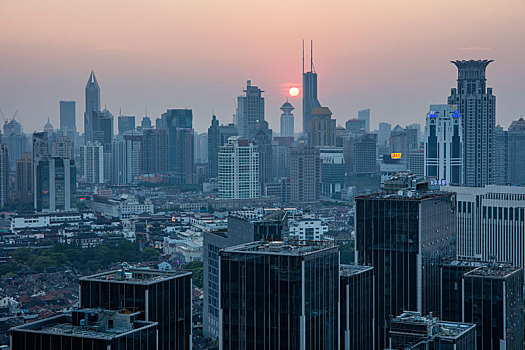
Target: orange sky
391	56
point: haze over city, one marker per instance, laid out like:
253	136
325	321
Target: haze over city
392	57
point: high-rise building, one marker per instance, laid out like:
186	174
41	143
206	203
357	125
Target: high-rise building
416	162
412	331
134	154
305	174
179	123
444	144
24	179
364	114
356	293
250	109
321	128
92	163
477	106
277	295
360	153
125	123
310	100
356	126
63	147
200	148
332	171
398	143
238	169
493	300
119	173
160	296
516	152
55	184
261	136
92	105
218	135
281	160
501	161
40	145
404	234
4	175
16	141
287	120
87	329
146	123
240	230
490	223
384	133
68	116
413	131
155	151
102	128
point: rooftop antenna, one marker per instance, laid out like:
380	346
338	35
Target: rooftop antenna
311	56
303	56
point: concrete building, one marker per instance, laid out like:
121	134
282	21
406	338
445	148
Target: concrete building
287	120
490	223
55	184
307	229
286	283
477	106
444	144
398	142
321	128
262	136
92	163
218	135
383	135
125	123
24	179
250	109
305	174
360	154
154	151
16	141
63	147
364	114
332	171
4	175
516	153
416	162
122	208
238	169
68	116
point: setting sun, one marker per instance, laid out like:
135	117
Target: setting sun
294	91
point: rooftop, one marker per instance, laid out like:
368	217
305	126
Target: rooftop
351	270
493	270
135	276
297	248
435	328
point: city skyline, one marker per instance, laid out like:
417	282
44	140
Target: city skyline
397	74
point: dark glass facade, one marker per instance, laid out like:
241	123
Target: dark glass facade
356	307
57	333
493	300
179	123
165	299
279	299
405	238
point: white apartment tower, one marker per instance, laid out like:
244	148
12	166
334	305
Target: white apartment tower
238	169
92	162
444	145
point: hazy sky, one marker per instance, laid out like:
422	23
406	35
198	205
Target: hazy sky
391	56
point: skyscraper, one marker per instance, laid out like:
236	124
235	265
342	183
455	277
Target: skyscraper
364	114
119	173
179	123
274	295
332	171
516	153
4	175
24	179
477	105
501	150
16	141
92	105
102	125
134	155
287	120
310	100
444	144
40	145
305	174
63	147
321	127
360	153
404	234
250	109
398	142
217	136
125	123
92	163
384	133
155	151
55	184
238	169
261	136
68	116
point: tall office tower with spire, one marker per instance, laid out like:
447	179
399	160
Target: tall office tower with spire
287	120
476	103
92	105
250	109
310	100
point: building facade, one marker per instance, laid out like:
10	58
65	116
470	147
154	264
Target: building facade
155	151
217	136
179	123
125	123
321	128
92	92
477	106
68	116
238	169
287	120
250	109
55	184
4	175
310	100
444	144
92	163
305	174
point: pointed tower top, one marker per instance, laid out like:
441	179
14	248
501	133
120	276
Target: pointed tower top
92	81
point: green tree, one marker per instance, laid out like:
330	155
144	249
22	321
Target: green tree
197	269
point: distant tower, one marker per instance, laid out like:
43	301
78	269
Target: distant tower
477	106
310	100
92	105
4	175
287	120
250	109
68	116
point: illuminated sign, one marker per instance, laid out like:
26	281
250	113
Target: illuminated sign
456	114
439	183
395	155
432	114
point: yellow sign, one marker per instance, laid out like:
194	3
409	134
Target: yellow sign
395	155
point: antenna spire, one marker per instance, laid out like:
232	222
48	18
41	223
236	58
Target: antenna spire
311	56
303	56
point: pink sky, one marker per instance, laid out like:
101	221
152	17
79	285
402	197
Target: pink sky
390	56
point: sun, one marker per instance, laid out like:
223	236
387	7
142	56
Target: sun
293	91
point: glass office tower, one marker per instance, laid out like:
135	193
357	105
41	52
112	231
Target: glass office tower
279	296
